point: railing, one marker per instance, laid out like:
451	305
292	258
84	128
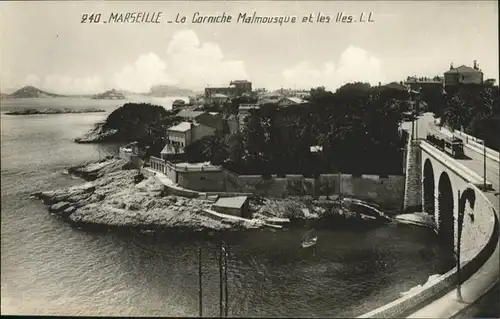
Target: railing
189	168
157	164
476	142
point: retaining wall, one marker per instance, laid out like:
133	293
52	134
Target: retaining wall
384	191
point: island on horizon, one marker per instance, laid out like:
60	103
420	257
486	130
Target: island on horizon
30	111
112	94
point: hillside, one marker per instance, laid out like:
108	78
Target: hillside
31	92
167	90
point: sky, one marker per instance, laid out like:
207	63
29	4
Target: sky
45	44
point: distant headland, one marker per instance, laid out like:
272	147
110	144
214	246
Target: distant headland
155	91
53	111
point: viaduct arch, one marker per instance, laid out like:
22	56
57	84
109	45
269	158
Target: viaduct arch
445	210
428	188
445	194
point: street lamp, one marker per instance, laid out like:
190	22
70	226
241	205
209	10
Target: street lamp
484	166
457	254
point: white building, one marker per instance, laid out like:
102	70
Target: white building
182	135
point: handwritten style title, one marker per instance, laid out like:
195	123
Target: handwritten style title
224	18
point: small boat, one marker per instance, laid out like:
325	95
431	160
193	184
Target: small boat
309	240
309	243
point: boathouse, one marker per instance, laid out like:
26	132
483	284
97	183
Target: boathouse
236	206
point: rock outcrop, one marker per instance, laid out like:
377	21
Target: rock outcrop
97	134
112	197
115	195
54	111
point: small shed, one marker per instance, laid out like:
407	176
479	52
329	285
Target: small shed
236	206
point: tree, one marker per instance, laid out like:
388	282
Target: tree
145	123
319	92
209	148
434	98
474	108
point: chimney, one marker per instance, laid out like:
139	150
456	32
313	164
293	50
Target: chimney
451	66
475	65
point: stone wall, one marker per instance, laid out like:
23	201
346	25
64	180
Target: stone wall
413	183
202	180
384	191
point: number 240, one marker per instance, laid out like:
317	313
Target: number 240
93	18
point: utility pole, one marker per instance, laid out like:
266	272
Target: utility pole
220	282
340	188
417	110
200	296
225	282
459	237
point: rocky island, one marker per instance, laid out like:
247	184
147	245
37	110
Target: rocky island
30	92
117	195
54	111
110	95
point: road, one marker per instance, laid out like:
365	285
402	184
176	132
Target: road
475	160
486	307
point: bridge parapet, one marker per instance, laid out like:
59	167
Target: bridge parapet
464	172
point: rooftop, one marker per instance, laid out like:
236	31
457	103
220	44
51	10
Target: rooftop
231	202
189	114
239	81
181	127
296	100
219	95
462	69
397	86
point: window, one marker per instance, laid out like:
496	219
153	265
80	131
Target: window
203	178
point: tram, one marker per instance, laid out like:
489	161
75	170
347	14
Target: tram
452	146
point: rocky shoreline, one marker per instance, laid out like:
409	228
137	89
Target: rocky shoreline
54	111
97	134
117	195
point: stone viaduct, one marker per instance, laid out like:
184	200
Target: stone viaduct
440	186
